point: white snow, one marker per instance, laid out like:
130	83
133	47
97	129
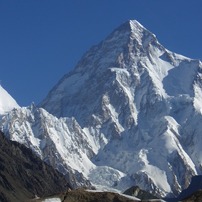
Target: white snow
130	197
198	98
52	200
108	178
122	76
7	103
157	175
127	196
114	116
180	79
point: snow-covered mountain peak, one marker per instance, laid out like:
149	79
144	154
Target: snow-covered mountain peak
139	32
128	40
135	99
123	60
135	23
131	110
7	103
134	33
130	26
133	27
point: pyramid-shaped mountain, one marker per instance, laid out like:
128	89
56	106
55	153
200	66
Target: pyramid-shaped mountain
128	114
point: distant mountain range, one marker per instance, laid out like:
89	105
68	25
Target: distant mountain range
129	114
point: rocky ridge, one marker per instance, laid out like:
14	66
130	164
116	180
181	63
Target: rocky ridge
23	176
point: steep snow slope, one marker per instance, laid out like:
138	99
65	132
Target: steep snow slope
59	142
7	103
136	113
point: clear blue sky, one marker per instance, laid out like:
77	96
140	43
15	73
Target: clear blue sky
41	40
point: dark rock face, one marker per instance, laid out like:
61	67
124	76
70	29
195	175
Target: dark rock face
195	185
195	197
24	176
141	194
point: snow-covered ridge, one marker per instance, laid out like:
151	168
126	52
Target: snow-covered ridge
128	114
7	103
51	138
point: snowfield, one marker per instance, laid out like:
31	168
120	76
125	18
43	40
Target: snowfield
52	200
7	103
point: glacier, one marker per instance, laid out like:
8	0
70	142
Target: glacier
128	114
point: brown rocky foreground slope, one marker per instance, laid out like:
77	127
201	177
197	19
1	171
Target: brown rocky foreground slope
81	195
85	196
